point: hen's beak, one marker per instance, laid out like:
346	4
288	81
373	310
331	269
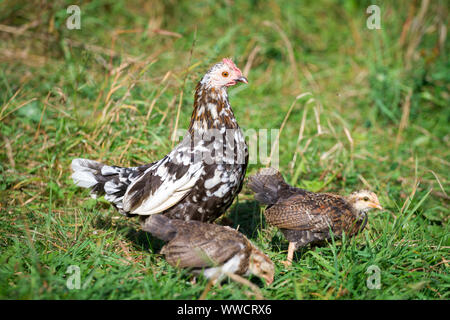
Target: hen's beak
242	79
375	205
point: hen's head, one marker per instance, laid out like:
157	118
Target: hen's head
364	200
260	265
223	74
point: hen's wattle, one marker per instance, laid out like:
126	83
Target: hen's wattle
199	178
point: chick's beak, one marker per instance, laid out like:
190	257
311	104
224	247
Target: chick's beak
269	280
242	79
375	205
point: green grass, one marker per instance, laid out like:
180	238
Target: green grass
381	98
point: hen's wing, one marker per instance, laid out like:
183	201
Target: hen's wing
163	184
203	245
309	211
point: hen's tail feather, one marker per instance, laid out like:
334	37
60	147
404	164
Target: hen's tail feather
87	174
160	226
268	185
112	181
101	179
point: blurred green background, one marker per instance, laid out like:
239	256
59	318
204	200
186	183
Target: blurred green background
374	114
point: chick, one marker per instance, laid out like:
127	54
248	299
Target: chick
210	249
306	217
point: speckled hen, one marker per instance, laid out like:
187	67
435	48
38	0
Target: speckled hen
199	178
306	217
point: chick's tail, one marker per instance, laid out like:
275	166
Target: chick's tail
268	185
160	227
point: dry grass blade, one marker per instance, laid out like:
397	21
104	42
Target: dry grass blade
439	182
13	54
17	108
416	31
365	182
22	31
169	107
326	154
299	139
409	198
9	101
182	88
308	75
152	104
405	116
167	33
18	30
277	141
317	117
349	137
174	134
126	251
9	152
42	116
130	141
289	47
250	59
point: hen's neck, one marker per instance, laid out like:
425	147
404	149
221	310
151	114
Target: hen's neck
211	110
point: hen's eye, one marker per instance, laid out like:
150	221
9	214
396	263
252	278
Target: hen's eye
225	74
366	198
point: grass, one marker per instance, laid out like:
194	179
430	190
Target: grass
377	117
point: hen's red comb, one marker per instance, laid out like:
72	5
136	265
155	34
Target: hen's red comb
231	64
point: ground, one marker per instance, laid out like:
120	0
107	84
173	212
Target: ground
372	112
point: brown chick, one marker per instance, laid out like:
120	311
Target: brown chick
210	249
306	217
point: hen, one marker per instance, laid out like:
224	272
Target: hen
306	217
210	249
199	178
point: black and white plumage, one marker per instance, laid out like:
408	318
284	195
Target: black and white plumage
209	249
199	178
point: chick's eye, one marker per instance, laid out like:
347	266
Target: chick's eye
366	198
225	74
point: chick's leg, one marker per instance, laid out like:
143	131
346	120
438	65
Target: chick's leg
290	254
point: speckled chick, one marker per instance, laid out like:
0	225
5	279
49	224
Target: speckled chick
306	217
209	249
